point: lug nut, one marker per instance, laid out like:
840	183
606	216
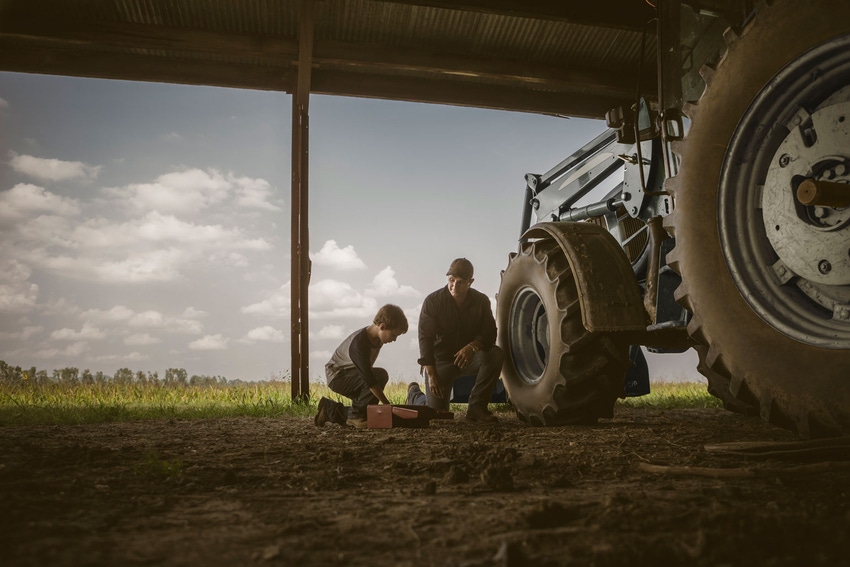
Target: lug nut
784	160
824	267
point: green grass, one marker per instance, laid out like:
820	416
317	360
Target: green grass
158	468
675	395
27	403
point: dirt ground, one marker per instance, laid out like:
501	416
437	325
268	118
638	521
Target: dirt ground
283	492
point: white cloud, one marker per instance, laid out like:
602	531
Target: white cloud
159	229
154	248
17	293
117	313
23	334
73	349
147	319
40	230
209	342
330	332
58	306
254	193
327	299
234	259
333	256
141	339
171	137
323	355
135	356
412	315
156	227
156	320
76	349
192	313
4	103
156	266
87	332
264	334
179	192
278	305
384	284
331	298
27	200
132	357
52	169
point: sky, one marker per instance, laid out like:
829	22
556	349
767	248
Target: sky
146	225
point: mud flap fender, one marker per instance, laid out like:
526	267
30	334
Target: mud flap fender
609	294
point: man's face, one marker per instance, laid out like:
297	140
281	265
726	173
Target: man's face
459	286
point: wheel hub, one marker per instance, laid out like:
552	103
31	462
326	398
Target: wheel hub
529	335
811	240
782	215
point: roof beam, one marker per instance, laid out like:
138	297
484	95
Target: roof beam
377	59
91	35
416	89
142	67
617	14
87	39
446	90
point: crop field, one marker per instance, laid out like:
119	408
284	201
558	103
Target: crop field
31	403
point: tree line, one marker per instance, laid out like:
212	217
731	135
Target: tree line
173	377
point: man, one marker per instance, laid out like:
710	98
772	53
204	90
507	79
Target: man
457	335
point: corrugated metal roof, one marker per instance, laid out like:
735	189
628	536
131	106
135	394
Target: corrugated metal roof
521	56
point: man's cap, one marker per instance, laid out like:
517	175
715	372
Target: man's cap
461	268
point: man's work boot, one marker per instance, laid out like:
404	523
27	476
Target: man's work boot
357	422
476	413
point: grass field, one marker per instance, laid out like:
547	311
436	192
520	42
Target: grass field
55	403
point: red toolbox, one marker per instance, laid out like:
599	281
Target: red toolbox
384	416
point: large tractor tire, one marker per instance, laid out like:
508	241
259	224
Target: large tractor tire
555	371
766	277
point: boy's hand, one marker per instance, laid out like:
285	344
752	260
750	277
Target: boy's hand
379	393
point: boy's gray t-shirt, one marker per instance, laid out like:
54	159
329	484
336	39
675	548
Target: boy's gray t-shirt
356	351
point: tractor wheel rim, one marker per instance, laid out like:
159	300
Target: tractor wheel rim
789	261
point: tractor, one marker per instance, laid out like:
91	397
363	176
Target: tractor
713	214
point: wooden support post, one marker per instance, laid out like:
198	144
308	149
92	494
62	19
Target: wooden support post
300	236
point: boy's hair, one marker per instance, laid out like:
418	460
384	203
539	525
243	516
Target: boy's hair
392	316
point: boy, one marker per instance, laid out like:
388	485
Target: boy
350	373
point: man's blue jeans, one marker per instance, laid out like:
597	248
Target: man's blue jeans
485	364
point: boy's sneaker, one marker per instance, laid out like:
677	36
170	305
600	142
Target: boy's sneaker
323	415
357	422
480	414
326	412
413	392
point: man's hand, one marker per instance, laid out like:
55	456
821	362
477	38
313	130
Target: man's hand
435	384
464	356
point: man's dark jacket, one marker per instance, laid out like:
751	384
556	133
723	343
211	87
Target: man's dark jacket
445	328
